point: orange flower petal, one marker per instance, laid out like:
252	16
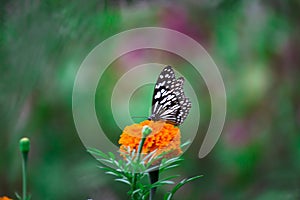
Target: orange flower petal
164	138
5	198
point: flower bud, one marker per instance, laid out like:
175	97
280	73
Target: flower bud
24	145
146	131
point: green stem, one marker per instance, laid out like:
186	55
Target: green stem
140	148
134	180
24	175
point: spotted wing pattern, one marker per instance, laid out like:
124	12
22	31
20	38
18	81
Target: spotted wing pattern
169	102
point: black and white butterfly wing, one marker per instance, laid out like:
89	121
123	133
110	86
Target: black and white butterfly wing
169	102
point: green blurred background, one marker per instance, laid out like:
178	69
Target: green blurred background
256	45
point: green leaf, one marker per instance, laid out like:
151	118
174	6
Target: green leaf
169	195
114	174
121	162
150	158
136	191
185	144
98	153
165	168
116	163
106	160
112	171
123	181
173	160
164	181
171	163
18	196
151	169
112	156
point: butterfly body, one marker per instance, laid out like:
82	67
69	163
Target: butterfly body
169	102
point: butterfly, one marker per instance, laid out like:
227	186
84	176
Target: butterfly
169	102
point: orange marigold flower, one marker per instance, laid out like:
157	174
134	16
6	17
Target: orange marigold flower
165	138
5	198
